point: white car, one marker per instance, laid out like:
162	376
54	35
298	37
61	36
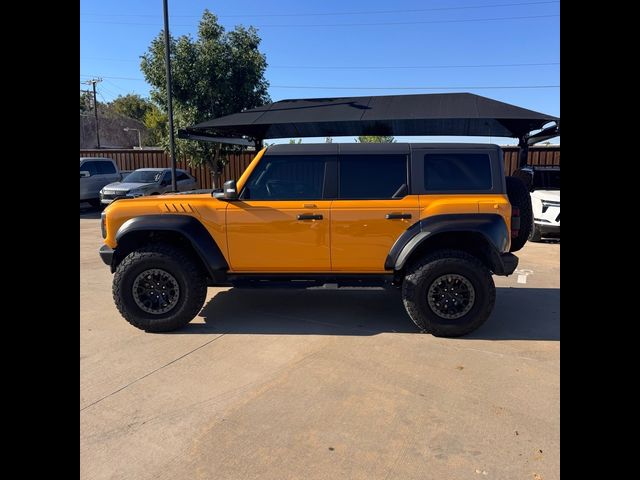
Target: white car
545	202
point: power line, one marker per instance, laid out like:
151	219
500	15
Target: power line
392	88
118	78
372	24
386	67
416	88
322	14
370	67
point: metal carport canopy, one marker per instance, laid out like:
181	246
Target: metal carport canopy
459	114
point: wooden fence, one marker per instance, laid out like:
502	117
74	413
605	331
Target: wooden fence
537	156
134	159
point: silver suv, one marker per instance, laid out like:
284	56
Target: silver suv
95	173
147	181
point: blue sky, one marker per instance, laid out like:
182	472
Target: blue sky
298	35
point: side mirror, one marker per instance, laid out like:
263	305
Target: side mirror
229	191
84	173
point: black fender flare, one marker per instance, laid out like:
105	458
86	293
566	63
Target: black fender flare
490	225
191	228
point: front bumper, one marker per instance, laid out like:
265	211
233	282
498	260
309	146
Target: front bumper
547	229
106	254
505	264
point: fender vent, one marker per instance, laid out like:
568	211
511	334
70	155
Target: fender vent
178	208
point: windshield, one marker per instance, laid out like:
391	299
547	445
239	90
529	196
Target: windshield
143	176
546	180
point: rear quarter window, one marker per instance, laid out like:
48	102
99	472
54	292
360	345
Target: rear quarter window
457	172
106	168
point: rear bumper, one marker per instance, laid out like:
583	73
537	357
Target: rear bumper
506	264
106	254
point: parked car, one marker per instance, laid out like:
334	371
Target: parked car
95	173
436	221
147	181
545	201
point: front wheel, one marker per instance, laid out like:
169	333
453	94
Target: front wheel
159	288
448	293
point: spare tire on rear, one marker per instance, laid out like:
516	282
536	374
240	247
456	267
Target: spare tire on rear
519	197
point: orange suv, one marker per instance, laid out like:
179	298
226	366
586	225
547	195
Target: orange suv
434	220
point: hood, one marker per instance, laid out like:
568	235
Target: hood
547	195
127	186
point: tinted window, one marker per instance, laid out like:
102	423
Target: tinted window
287	178
106	168
546	179
166	177
457	171
182	176
372	176
90	167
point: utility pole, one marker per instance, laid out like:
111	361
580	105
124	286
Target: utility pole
167	60
93	82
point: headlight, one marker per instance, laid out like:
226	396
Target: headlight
103	224
135	193
549	203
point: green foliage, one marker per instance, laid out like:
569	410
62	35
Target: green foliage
85	101
157	123
216	74
328	140
132	106
376	139
293	141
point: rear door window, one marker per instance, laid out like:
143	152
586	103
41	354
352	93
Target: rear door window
457	172
371	177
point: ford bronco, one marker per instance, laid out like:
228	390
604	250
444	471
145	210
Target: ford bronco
434	220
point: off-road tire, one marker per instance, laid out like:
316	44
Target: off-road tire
424	272
536	235
519	197
178	263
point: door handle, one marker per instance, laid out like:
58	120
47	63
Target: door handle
309	216
397	216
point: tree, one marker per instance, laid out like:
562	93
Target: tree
293	141
376	139
216	74
86	100
157	123
328	140
131	105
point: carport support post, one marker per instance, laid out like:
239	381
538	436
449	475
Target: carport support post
167	61
524	152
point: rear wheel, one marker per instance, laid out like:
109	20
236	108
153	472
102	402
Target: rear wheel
448	293
519	197
159	288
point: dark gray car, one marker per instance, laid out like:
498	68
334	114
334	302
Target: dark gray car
147	181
